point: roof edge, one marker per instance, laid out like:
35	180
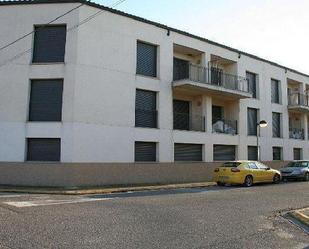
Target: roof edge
159	25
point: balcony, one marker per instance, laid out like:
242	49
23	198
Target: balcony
215	81
298	102
184	121
225	126
296	133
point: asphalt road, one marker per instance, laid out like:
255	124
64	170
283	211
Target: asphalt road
215	217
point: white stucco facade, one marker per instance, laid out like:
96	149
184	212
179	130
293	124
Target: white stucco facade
100	81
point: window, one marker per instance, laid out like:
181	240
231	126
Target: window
275	91
252	117
297	153
252	166
252	83
145	152
146	59
262	166
49	44
224	152
46	100
43	149
276	124
181	69
277	153
252	153
188	152
146	109
181	111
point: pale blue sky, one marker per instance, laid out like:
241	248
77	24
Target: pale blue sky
277	30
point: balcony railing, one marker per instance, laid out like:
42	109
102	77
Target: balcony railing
297	133
184	121
211	76
298	99
225	126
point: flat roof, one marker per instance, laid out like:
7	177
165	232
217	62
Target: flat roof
159	25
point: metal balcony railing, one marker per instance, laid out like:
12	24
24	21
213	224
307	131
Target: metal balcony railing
184	121
298	99
211	76
297	133
224	126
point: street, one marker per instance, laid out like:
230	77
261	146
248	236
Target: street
214	217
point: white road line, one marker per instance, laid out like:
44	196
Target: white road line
9	196
21	204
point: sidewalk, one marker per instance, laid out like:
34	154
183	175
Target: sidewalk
101	190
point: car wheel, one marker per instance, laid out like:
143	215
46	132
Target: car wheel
306	178
248	181
220	184
276	178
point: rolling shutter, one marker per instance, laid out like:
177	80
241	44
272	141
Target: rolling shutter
276	153
49	43
181	111
145	152
146	59
252	121
252	153
188	152
297	153
276	124
275	91
145	109
224	152
46	100
181	69
251	77
43	149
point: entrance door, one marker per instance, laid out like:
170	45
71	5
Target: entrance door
181	110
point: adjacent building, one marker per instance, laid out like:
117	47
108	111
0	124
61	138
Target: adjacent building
98	89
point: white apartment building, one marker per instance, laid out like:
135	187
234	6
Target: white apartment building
116	90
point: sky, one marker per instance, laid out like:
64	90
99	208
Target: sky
277	30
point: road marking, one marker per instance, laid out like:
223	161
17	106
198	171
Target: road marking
9	196
36	203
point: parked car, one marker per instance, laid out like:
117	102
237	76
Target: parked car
296	170
246	173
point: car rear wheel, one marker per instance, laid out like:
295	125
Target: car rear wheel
276	178
248	181
306	178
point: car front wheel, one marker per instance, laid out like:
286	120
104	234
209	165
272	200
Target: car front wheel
248	181
306	178
276	178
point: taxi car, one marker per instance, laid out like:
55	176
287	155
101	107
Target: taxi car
246	173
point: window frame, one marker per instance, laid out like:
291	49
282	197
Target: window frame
156	60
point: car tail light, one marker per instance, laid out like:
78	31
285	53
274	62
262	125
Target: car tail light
216	170
235	170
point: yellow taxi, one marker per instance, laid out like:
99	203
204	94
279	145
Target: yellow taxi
246	173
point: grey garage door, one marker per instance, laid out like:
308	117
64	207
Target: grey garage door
224	152
188	152
43	149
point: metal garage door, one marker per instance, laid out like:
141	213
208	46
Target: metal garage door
188	152
224	152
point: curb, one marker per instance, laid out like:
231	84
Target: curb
300	216
106	190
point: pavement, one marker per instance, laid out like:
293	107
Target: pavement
195	218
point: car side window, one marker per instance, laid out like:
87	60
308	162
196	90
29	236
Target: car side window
262	166
252	166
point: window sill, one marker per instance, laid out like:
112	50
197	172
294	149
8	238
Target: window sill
41	162
148	77
46	63
153	128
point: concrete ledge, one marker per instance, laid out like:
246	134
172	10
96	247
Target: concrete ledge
302	216
81	175
61	191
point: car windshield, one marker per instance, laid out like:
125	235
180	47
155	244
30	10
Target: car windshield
297	165
231	164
